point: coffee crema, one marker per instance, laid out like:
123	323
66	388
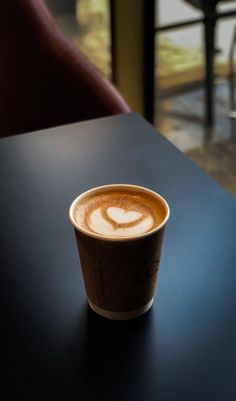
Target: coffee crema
119	213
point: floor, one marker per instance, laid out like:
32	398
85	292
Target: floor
178	117
181	117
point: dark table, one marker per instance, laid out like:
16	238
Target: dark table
52	346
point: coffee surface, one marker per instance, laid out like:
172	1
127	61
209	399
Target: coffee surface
119	213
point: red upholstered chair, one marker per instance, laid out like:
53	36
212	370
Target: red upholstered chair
44	80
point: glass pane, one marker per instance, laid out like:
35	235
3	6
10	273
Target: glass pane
179	52
94	38
179	57
170	11
224	36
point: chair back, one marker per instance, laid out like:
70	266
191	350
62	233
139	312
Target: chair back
44	80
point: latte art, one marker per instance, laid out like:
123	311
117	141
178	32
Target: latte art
119	213
120	216
116	221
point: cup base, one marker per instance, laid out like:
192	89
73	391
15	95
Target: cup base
121	315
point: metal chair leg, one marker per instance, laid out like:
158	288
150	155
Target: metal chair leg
209	36
232	97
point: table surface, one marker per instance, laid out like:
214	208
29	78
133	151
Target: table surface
52	346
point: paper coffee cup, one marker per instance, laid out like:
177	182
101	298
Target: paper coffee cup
119	259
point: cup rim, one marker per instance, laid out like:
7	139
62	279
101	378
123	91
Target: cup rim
117	186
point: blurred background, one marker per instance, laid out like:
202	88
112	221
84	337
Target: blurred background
179	107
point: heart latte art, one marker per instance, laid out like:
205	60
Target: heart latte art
117	221
118	213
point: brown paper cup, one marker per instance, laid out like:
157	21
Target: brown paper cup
120	274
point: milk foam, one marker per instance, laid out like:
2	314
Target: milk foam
119	225
118	213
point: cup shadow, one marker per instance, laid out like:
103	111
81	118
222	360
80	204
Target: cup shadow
111	355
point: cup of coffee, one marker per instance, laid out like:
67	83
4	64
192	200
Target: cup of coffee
119	231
